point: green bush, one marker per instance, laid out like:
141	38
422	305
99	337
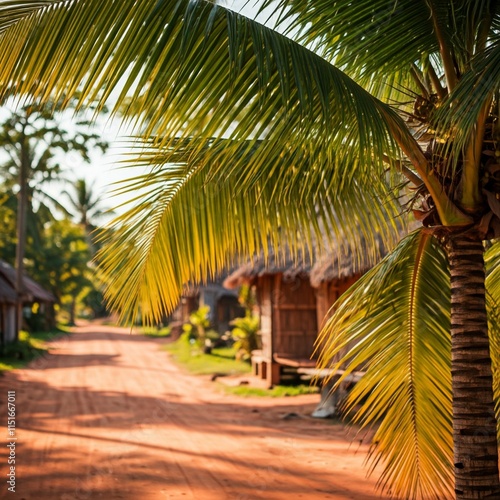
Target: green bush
245	335
198	328
151	331
278	391
28	347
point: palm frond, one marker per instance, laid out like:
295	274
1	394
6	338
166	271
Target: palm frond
381	35
200	67
492	263
194	69
13	11
474	91
190	225
394	324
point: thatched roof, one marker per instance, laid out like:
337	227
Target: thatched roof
32	289
276	263
343	263
193	290
331	263
7	292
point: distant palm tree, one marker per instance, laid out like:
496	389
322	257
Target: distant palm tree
86	204
254	131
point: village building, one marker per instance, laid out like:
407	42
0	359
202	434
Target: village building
33	293
294	298
223	303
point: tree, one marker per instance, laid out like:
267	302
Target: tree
8	233
85	202
60	261
87	206
63	264
32	138
320	115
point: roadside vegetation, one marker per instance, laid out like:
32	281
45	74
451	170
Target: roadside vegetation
29	347
278	391
221	361
152	331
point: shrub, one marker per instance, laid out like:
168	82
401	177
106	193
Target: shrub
245	334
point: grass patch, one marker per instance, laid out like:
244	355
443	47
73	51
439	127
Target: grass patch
222	360
151	331
278	391
29	347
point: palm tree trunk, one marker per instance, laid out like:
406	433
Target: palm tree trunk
474	422
22	203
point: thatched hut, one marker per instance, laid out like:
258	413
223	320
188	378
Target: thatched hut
33	293
188	303
8	299
223	303
294	297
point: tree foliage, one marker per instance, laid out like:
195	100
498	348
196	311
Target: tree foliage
34	134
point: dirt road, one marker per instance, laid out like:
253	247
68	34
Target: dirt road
107	415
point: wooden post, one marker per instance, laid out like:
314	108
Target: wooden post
266	326
274	372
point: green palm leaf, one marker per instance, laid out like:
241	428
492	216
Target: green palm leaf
188	228
194	69
189	61
492	262
373	40
474	91
394	323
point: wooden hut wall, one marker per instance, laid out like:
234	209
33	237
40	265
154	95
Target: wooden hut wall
294	317
8	322
264	299
328	293
227	308
323	296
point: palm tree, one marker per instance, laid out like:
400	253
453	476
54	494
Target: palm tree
85	202
87	206
323	110
33	141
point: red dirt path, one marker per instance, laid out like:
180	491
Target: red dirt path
108	415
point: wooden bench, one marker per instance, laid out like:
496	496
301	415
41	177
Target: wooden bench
286	365
294	362
306	367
